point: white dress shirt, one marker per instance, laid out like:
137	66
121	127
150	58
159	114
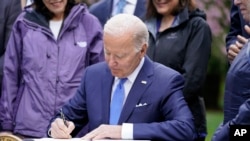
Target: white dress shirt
28	2
128	9
127	128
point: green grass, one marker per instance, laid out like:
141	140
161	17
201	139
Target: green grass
214	118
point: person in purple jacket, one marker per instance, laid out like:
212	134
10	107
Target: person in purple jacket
52	43
9	10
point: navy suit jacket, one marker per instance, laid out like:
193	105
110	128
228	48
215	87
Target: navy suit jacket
103	10
242	118
165	117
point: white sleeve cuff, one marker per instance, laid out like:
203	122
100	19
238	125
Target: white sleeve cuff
127	131
49	132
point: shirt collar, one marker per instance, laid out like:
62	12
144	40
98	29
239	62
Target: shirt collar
134	74
132	1
128	1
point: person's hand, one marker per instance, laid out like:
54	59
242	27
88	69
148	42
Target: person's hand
60	131
247	28
234	49
104	132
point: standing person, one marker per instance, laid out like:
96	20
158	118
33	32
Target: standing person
104	9
152	105
51	45
180	38
237	35
237	80
9	10
235	93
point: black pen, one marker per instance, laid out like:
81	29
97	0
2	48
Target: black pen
63	118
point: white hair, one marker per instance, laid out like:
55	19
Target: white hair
125	23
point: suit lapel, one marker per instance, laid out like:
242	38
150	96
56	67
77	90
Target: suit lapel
140	85
106	95
108	10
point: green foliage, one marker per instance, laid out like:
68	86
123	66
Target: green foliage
218	16
218	62
214	118
218	20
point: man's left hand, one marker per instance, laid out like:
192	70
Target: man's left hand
105	132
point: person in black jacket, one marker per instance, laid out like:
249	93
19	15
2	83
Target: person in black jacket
180	38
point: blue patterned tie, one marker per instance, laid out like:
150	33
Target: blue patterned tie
120	6
117	102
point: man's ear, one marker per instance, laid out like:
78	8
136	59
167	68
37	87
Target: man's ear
144	49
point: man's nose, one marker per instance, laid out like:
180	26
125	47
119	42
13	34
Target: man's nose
111	61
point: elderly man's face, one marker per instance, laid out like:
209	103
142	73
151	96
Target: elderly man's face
121	54
244	7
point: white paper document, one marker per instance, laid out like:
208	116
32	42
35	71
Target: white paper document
51	139
78	139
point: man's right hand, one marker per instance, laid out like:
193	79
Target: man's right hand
234	49
59	130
